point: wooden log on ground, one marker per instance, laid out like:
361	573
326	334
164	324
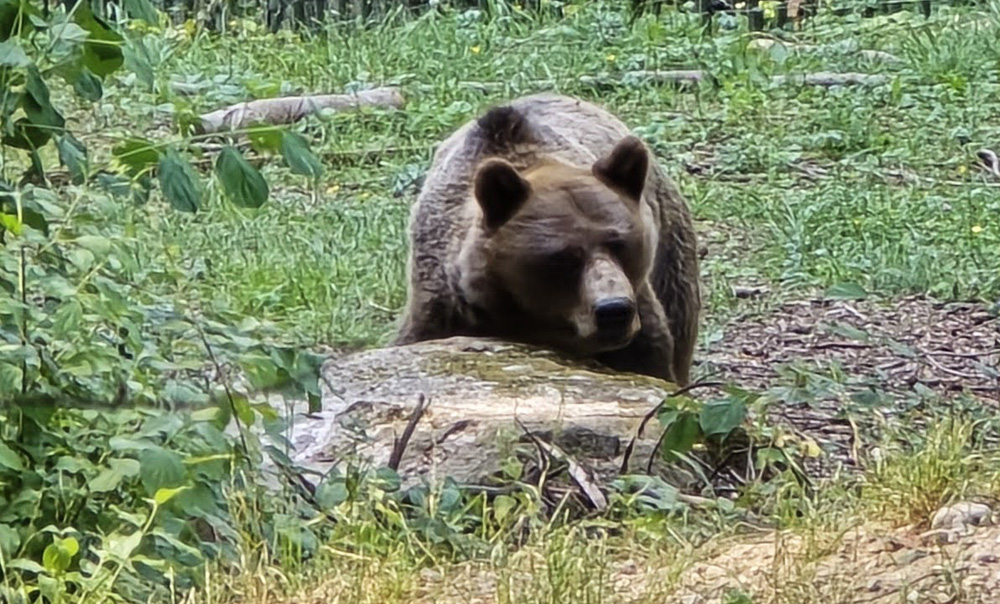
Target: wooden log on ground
870	55
288	110
481	398
828	78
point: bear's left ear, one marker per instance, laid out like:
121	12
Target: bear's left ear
625	168
500	191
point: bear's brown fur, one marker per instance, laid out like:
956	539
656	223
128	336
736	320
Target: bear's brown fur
546	222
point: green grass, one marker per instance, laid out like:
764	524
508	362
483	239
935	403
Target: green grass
329	266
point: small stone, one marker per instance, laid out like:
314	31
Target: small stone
962	514
875	585
940	536
630	568
987	558
430	575
910	556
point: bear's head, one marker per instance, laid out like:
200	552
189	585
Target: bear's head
562	251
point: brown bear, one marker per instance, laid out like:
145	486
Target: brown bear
546	222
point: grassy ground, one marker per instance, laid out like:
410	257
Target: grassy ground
795	189
803	187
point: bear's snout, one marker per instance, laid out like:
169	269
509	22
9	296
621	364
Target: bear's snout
613	318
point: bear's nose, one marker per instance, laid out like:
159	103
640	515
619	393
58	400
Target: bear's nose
613	316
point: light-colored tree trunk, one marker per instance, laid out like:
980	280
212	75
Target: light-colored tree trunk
287	110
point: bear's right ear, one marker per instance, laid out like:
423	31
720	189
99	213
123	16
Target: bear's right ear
500	191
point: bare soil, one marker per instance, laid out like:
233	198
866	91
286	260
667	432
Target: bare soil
840	359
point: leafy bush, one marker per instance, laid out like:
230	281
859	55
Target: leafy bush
101	491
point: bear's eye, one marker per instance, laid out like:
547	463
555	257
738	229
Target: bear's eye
616	246
563	261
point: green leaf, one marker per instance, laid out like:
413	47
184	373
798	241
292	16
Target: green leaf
331	493
388	479
241	182
179	182
205	415
53	559
114	185
722	416
59	555
10	378
70	545
102	52
97	245
37	103
300	159
108	480
846	291
88	86
10	459
159	469
12	55
126	467
244	412
10	223
122	546
135	155
41	120
265	138
198	501
14	15
682	434
73	155
124	443
768	456
10	541
141	9
23	135
164	495
26	565
70	33
503	505
139	62
778	53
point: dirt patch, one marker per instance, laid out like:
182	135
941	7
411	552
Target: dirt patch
945	348
832	366
866	565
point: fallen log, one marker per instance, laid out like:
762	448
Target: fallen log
288	110
870	55
486	400
828	78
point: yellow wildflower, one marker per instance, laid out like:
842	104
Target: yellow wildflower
976	229
963	169
611	58
475	50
